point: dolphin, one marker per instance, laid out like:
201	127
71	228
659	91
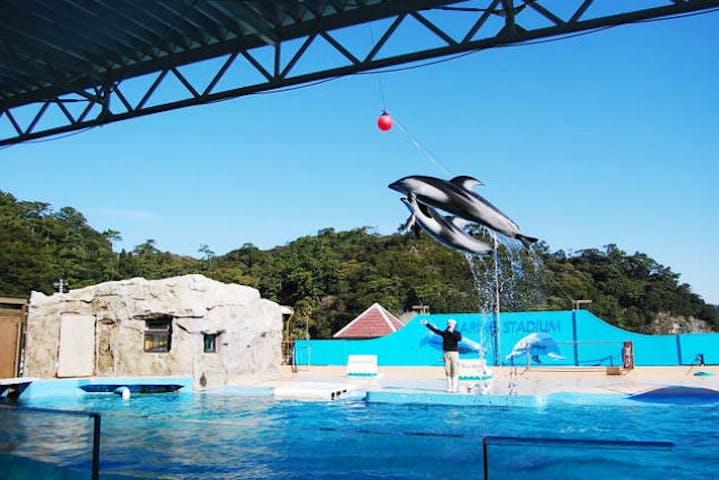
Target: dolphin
446	230
536	344
457	196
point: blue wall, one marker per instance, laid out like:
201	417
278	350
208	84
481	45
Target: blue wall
574	337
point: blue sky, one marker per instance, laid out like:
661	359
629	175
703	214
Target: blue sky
605	138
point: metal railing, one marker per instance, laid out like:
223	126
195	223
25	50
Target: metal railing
93	416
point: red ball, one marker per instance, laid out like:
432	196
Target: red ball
385	122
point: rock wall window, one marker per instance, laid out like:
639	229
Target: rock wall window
158	335
210	342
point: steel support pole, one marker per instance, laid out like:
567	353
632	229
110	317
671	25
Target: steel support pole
96	446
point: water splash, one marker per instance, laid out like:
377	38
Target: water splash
510	280
513	381
484	297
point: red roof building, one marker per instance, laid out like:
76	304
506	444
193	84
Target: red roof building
374	322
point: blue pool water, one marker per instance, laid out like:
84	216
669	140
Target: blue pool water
221	435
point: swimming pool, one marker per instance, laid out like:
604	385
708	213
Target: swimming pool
222	435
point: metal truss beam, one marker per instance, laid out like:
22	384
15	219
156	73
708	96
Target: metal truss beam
499	23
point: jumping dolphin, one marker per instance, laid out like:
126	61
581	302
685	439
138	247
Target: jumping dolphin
445	230
534	345
456	196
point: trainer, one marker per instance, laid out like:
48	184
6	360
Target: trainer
450	339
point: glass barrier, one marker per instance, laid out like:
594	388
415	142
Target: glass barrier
509	458
60	445
271	440
279	449
49	444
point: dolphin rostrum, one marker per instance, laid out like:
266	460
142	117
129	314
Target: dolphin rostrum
456	196
446	230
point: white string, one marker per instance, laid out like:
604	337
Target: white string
421	148
378	75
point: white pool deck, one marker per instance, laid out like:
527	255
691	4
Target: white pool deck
427	384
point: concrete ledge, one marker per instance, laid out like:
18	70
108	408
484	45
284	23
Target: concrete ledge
452	399
70	387
469	400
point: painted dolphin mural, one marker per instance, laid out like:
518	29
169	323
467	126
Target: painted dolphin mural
446	230
465	346
534	345
456	196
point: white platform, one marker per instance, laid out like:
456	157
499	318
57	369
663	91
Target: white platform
14	386
362	365
314	390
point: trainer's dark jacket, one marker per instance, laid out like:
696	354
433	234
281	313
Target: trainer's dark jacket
449	339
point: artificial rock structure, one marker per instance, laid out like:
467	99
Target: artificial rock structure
187	325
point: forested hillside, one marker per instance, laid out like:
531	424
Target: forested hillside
332	276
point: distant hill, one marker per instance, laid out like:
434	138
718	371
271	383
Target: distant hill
331	277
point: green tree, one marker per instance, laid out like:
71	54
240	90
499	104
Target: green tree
331	277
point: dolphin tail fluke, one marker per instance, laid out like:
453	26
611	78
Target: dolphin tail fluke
526	241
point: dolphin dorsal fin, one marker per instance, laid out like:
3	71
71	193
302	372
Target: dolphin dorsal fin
466	182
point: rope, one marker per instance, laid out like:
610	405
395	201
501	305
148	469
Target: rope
411	138
421	148
378	76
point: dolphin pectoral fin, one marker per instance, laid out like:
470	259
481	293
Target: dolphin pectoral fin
466	182
535	358
411	222
526	241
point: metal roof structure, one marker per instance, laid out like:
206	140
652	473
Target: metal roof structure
67	65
